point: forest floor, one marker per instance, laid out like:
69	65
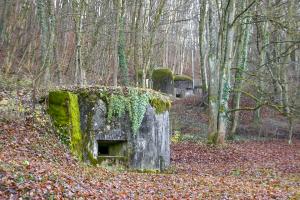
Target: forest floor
35	165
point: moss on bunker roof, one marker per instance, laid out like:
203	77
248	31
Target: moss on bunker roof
161	73
182	78
156	99
109	90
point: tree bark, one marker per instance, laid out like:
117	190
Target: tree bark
78	8
213	81
239	74
44	38
121	47
202	46
137	56
149	45
226	42
117	8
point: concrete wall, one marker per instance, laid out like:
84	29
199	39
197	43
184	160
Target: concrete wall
149	148
183	88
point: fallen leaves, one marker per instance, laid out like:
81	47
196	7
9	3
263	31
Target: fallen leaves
35	165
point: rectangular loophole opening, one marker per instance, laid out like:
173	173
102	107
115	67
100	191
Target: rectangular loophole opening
111	148
103	150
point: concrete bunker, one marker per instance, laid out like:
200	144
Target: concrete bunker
162	80
116	125
183	86
111	148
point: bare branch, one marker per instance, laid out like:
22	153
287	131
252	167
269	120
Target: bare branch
245	10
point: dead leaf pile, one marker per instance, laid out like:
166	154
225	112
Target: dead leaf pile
34	164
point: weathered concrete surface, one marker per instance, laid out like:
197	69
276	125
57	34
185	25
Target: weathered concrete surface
149	148
162	80
183	88
183	84
165	85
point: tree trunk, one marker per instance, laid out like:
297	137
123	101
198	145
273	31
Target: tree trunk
202	46
137	56
213	81
149	45
225	59
117	8
44	37
121	47
263	59
239	75
78	8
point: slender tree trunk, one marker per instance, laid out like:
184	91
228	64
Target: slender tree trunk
3	17
44	36
137	59
149	46
263	57
52	39
121	47
285	86
117	8
78	8
225	60
202	46
239	75
213	81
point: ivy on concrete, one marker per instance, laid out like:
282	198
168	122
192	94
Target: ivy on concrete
135	102
64	108
138	107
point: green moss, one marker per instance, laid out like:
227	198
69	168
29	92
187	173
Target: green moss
58	110
160	105
212	138
91	158
162	73
76	137
182	78
162	80
135	102
58	97
64	110
177	137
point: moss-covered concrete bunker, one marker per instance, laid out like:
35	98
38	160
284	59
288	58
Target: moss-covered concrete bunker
177	85
162	79
183	86
116	125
